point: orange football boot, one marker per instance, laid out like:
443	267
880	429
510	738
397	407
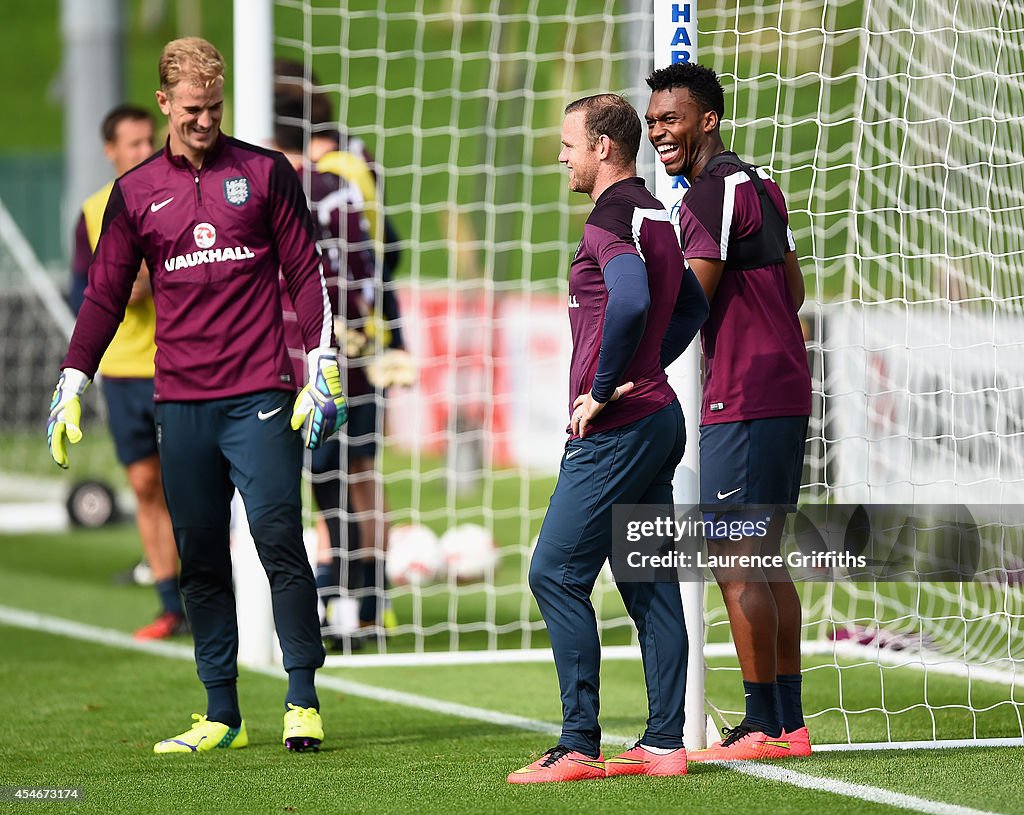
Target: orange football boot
743	743
559	764
166	625
799	742
638	761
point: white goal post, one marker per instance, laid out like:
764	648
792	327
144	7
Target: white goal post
674	39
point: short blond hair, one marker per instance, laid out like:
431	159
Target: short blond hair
192	59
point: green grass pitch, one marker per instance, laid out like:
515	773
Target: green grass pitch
81	714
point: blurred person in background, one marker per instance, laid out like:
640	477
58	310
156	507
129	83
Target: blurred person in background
345	551
127	370
371	337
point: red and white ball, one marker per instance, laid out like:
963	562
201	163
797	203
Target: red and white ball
414	555
469	552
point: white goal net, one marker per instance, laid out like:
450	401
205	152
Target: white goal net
895	131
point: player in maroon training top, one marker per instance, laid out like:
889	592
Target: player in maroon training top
346	556
633	308
215	220
734	231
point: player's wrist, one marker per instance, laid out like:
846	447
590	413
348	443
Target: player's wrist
74	381
318	355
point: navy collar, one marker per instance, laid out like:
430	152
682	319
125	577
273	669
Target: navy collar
633	180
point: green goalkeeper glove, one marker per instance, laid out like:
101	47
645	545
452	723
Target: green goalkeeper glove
65	414
320	408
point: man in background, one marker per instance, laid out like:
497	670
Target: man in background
340	469
127	370
343	175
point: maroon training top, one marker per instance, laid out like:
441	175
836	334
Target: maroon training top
338	211
626	219
755	361
214	240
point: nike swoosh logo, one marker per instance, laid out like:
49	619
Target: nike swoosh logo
264	416
625	761
782	744
573	452
161	205
724	495
193	747
527	770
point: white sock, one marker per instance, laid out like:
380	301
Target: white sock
660	751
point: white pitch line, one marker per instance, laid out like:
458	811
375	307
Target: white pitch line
877	795
118	639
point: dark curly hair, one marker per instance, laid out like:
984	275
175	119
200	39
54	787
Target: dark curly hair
700	81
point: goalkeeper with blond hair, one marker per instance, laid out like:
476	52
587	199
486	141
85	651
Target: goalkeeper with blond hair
216	220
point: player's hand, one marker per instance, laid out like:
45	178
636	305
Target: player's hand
393	367
63	426
320	408
376	329
364	336
353	341
585	409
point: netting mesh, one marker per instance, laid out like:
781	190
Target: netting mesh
459	106
893	128
895	131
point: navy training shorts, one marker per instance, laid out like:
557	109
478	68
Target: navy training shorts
130	417
759	462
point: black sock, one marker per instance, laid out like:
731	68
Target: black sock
760	701
791	712
326	586
301	691
369	611
222	705
170	599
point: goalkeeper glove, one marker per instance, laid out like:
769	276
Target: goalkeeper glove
368	334
354	342
394	367
65	414
320	408
376	329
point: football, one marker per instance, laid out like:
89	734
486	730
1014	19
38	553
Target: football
469	552
414	555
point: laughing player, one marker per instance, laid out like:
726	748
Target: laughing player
215	219
734	232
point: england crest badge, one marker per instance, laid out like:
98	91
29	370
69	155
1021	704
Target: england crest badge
236	191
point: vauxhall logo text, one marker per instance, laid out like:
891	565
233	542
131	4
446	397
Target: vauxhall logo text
208	256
